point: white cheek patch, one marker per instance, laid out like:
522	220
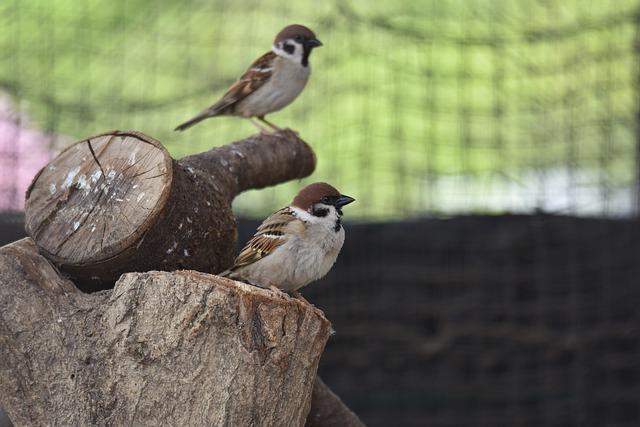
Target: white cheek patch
305	216
275	49
296	56
333	213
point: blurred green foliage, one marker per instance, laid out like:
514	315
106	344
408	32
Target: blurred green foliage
402	92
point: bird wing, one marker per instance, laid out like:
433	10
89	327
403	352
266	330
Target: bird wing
257	75
270	235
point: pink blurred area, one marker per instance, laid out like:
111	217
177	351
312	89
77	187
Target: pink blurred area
24	150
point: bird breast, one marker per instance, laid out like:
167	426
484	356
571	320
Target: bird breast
302	259
285	84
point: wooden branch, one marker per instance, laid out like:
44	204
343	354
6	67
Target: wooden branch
256	162
182	348
327	409
148	211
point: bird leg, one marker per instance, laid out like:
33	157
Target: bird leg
268	123
261	128
278	291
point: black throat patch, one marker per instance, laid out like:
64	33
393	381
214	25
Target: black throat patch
306	51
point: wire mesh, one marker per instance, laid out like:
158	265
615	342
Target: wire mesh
415	107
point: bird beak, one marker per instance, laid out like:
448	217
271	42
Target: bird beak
314	43
344	200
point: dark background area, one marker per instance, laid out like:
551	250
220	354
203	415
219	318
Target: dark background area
481	320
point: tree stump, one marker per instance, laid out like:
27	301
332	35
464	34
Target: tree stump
139	209
182	348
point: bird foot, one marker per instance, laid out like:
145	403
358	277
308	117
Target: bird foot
278	292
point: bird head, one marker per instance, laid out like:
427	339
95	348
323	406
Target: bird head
295	42
321	200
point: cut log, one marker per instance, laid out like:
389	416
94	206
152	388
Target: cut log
138	209
182	348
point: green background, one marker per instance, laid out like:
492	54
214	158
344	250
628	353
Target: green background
413	107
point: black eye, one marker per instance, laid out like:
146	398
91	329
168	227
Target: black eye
298	39
325	200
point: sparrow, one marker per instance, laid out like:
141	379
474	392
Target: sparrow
297	244
271	83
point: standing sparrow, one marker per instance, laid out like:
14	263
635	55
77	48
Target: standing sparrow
297	244
271	83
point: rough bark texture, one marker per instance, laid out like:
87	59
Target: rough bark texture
182	348
141	210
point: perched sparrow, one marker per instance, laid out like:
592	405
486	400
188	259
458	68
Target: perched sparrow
297	244
271	83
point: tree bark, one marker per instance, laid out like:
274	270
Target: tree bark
182	348
138	209
327	409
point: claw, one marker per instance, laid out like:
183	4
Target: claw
278	292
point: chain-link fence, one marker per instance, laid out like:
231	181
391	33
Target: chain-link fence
415	107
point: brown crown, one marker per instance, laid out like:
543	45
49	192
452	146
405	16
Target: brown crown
291	31
312	193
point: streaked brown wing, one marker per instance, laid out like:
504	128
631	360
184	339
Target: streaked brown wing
270	235
258	74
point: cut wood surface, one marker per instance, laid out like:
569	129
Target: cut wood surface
182	348
80	216
148	211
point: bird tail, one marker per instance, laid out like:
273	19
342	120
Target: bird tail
197	119
225	273
209	112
